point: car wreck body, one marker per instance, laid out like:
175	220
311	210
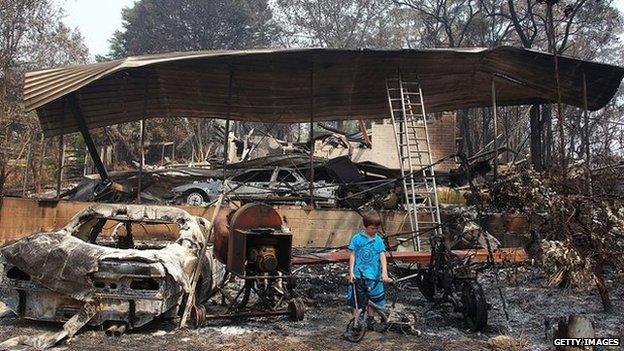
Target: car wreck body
270	185
50	276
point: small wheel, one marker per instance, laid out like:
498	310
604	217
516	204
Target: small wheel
296	310
474	306
426	285
356	329
195	197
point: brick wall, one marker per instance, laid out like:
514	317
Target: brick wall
442	136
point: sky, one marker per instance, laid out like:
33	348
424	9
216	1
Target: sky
99	19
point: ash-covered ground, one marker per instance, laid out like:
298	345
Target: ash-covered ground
529	302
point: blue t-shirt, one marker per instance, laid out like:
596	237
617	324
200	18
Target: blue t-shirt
367	250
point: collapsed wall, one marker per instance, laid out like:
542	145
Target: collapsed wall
383	151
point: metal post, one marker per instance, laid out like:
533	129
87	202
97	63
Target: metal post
226	133
162	154
495	117
60	165
586	136
61	155
142	162
25	176
312	135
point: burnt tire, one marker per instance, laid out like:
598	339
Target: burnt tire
474	306
195	197
296	310
426	285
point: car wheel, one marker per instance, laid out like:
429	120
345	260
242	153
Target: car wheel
195	197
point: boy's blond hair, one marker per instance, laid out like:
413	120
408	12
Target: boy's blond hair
371	218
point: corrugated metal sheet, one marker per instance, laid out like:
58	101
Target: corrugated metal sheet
275	85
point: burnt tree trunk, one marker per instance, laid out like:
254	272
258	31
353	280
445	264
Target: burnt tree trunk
599	273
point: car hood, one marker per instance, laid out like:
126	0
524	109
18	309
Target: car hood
64	263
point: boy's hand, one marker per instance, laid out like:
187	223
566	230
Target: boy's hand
386	279
351	278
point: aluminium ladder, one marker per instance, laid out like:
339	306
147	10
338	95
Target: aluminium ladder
409	121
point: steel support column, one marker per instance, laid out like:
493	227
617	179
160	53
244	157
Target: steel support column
226	133
495	121
312	135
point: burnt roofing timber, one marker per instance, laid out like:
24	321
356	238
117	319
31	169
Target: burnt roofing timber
272	85
74	106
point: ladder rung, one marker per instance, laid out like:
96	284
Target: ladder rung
422	191
428	186
410	144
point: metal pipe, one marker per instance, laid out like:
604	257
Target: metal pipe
247	315
586	136
495	117
226	133
142	163
61	155
25	175
312	135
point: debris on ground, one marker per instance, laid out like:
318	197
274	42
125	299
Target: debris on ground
576	234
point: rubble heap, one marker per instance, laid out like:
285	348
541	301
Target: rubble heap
574	235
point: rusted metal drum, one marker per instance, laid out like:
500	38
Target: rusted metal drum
252	215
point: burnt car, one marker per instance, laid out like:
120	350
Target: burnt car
276	185
100	256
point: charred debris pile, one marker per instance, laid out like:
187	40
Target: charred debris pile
576	226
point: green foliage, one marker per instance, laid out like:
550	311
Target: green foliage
155	26
340	23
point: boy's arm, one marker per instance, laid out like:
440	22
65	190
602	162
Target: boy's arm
351	267
384	268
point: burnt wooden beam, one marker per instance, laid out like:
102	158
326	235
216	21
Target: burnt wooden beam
74	106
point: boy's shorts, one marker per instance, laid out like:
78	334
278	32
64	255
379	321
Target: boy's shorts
375	291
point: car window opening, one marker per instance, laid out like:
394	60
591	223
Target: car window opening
139	235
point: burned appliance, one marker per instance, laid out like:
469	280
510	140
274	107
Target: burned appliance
256	250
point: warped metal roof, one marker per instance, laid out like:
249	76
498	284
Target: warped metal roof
276	85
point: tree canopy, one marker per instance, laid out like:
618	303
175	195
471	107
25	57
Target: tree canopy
154	26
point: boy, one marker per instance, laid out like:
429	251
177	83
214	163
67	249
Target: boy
368	260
